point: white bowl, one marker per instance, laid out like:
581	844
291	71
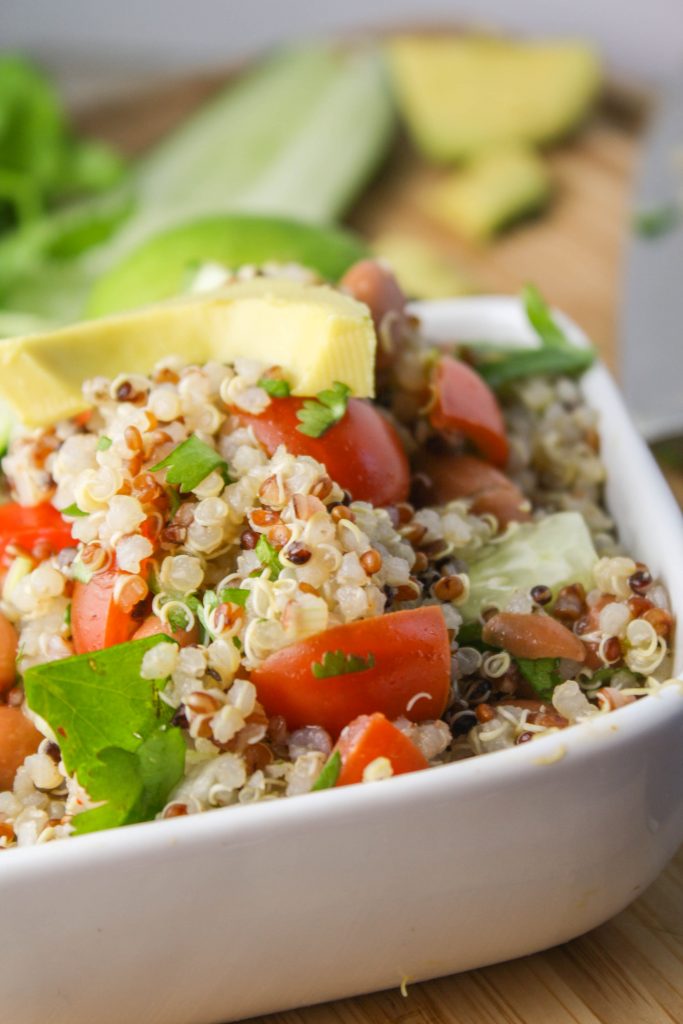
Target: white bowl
260	908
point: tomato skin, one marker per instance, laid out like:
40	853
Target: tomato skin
97	622
30	525
369	737
465	476
463	402
412	656
362	452
153	626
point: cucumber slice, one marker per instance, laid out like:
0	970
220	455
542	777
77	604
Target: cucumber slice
160	268
555	551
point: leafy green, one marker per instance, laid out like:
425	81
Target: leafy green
113	729
268	556
657	221
322	412
104	443
178	619
335	119
190	463
337	663
555	551
275	388
73	510
330	773
555	354
542	674
234	595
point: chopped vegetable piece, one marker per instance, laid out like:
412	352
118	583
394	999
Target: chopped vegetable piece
235	595
73	510
541	674
318	414
556	354
190	463
463	403
336	663
268	557
556	551
18	738
370	737
416	686
161	268
275	387
529	635
362	452
97	620
330	773
31	525
496	189
153	626
114	731
104	443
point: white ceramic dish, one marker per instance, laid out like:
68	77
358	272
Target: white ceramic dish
260	908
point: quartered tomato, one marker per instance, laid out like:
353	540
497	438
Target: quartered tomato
369	737
408	673
33	526
97	620
465	404
362	452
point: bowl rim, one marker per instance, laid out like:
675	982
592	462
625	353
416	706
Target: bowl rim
441	782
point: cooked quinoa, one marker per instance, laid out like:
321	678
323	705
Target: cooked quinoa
339	561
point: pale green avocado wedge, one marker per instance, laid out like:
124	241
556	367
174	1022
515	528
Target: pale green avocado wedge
315	333
462	94
162	267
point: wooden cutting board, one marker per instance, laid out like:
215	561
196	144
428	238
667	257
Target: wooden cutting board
630	969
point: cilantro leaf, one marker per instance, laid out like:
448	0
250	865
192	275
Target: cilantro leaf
322	412
268	556
190	463
274	387
657	221
330	773
542	674
177	619
104	443
114	731
336	663
234	595
555	355
73	510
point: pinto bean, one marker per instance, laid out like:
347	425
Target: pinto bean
532	636
18	738
372	283
8	654
465	476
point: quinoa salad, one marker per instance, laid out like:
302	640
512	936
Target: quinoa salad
216	593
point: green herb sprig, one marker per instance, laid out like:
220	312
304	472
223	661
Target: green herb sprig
275	387
330	773
190	463
320	413
337	663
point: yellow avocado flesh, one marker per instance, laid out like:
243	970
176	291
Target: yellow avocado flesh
316	334
496	189
463	94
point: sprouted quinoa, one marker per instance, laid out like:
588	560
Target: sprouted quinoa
247	550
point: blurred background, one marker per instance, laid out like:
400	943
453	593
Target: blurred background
537	141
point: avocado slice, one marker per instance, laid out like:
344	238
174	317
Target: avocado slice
496	189
422	271
462	94
316	334
161	267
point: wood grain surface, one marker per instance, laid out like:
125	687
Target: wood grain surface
630	970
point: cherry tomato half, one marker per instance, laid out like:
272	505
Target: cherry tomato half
463	402
362	452
97	621
410	673
30	526
369	737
